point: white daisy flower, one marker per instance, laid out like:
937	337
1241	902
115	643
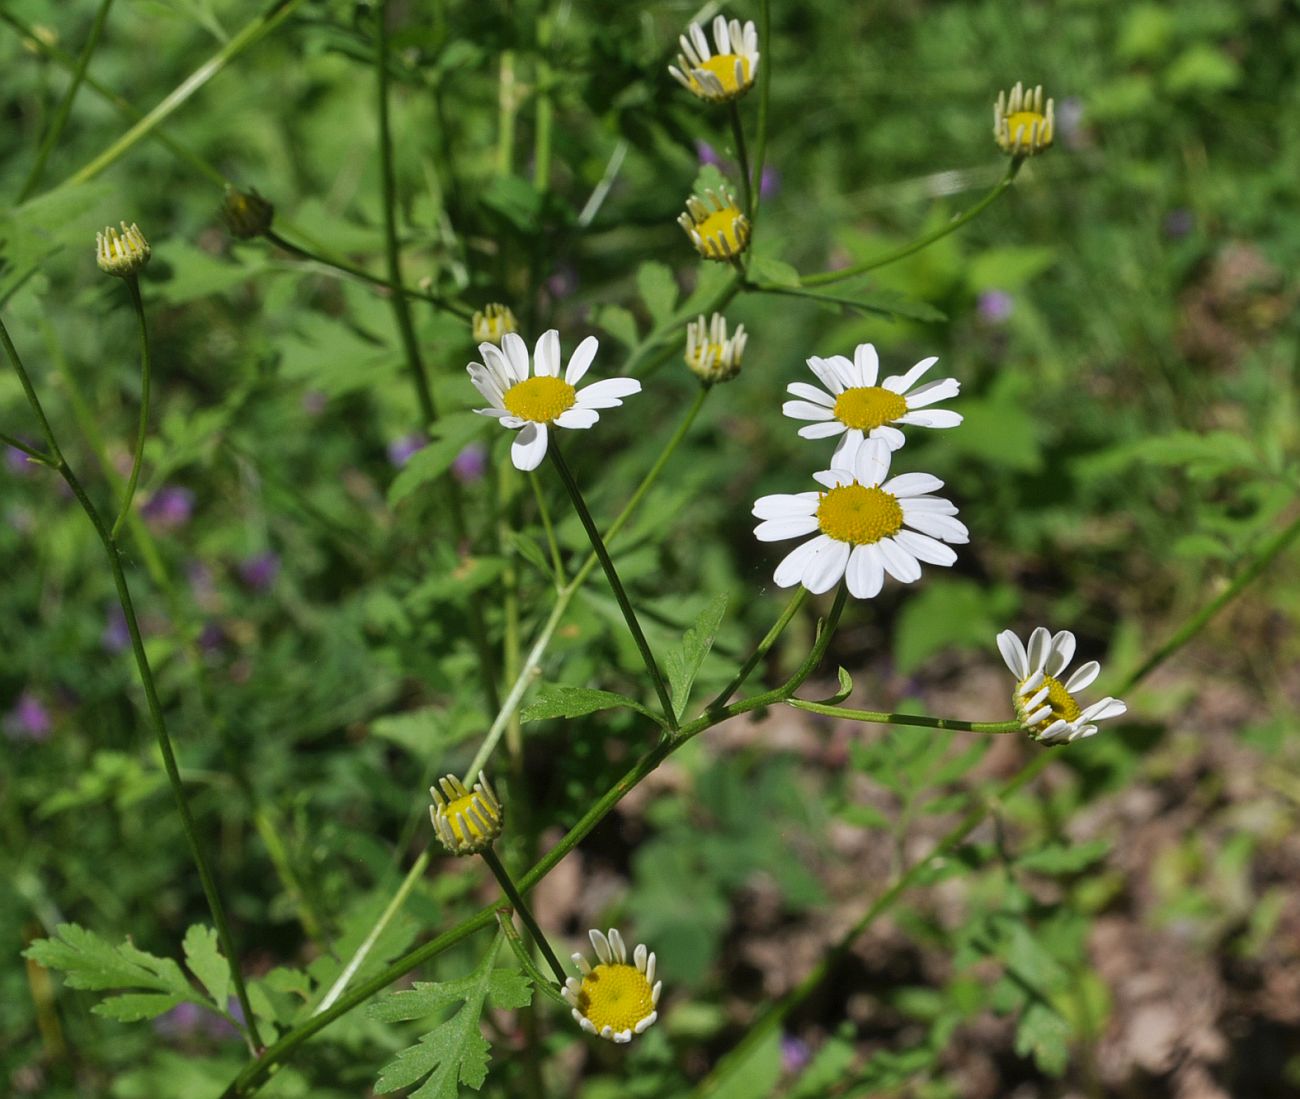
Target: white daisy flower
535	404
854	407
725	74
860	523
1046	706
614	1000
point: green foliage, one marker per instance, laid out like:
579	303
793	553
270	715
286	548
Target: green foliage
682	665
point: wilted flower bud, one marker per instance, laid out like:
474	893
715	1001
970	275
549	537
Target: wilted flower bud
709	354
492	322
246	213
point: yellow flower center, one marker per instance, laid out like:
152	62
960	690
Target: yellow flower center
868	406
727	223
540	399
615	996
1027	120
858	515
723	66
466	809
1064	708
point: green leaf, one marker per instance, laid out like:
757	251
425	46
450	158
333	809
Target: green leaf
618	322
528	549
560	701
87	961
775	271
1061	858
454	1052
203	956
683	664
134	1006
658	289
450	435
516	200
1044	1034
842	692
755	1075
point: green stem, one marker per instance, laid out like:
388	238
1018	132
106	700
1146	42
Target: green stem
742	155
456	308
760	650
271	17
507	109
133	285
611	574
153	703
764	99
557	562
524	912
545	108
544	983
882	718
60	119
1003	185
31	452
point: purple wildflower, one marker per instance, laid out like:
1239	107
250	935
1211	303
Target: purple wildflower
17	462
795	1054
400	450
770	184
995	306
470	464
29	719
169	508
260	570
1178	223
707	153
116	637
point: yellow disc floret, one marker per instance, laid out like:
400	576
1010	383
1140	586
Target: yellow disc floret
541	399
858	515
716	227
1062	703
723	68
1023	123
866	407
466	821
615	996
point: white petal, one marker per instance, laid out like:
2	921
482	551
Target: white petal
1032	681
581	359
827	374
792	565
650	971
943	527
1106	708
601	945
776	530
529	447
900	564
867	363
847	448
933	392
934	505
890	436
784	505
924	548
844	370
1055	730
495	413
607	394
871	463
516	355
931	417
1040	645
577	418
811	393
822	430
1083	676
1062	652
512	422
866	573
826	568
912	484
618	946
498	365
833	478
806	410
1013	654
902	383
639	957
546	355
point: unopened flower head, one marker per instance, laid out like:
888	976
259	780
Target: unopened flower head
854	407
246	213
492	322
124	253
715	225
859	523
466	821
711	356
1045	705
533	400
614	1000
724	73
1022	125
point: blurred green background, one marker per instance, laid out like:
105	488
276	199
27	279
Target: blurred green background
1124	326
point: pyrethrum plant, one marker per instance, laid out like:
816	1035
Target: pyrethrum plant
873	521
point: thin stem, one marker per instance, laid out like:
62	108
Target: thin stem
545	107
1003	185
761	650
64	109
742	155
883	718
368	943
30	451
457	308
401	309
258	27
133	285
764	99
611	574
557	562
505	920
520	906
152	701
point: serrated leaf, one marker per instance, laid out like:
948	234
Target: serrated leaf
131	1007
658	289
1044	1034
528	549
682	665
87	961
618	322
1060	858
455	1052
203	956
450	435
561	701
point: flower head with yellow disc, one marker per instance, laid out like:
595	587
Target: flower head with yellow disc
614	1000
